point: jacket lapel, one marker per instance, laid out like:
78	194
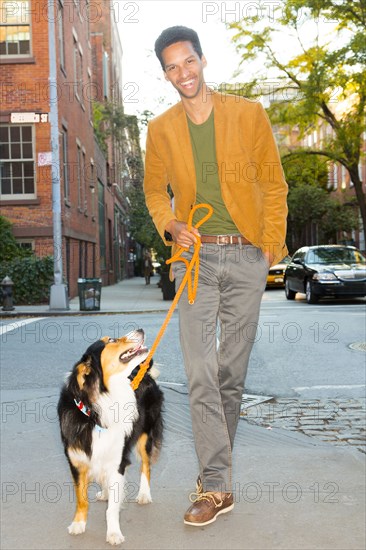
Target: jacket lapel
183	140
220	128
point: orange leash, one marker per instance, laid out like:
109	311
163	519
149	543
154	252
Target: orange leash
192	289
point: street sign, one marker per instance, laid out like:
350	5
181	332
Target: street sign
45	159
19	118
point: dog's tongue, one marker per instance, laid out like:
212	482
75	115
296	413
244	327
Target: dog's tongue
128	355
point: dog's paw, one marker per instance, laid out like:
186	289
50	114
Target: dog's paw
144	494
143	498
102	495
115	537
77	527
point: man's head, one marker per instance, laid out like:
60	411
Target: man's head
180	54
172	35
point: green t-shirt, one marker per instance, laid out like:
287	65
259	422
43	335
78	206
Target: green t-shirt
208	181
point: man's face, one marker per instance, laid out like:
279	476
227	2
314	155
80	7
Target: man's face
184	68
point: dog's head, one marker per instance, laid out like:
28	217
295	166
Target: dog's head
104	359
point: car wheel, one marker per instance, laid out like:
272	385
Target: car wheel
311	298
290	294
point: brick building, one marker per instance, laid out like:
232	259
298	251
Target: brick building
107	89
88	57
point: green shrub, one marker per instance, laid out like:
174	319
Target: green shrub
32	278
9	248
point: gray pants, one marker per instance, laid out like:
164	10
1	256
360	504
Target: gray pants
232	279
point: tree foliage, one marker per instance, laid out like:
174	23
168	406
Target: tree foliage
9	247
313	212
141	225
324	82
111	120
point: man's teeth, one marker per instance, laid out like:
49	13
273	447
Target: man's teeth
188	83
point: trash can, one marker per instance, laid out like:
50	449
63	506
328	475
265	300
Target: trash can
90	292
167	286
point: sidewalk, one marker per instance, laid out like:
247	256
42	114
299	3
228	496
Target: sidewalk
128	296
292	491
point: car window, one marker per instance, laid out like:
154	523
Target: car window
335	255
299	255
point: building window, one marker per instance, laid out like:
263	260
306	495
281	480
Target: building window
84	197
105	75
65	163
92	188
15	19
335	175
87	16
101	214
17	175
79	175
61	43
78	72
343	177
27	244
89	97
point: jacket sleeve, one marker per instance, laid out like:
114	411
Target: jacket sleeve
156	181
272	184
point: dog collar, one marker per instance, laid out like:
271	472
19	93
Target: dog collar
87	411
83	408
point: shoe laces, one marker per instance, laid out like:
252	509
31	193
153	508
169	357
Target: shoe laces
199	486
197	497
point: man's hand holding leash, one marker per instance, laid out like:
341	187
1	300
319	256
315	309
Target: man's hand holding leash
181	234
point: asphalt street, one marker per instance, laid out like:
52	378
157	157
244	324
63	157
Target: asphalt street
299	350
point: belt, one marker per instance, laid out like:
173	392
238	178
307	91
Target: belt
224	239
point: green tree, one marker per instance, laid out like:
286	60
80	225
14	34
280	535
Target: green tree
314	216
111	120
306	170
325	81
9	248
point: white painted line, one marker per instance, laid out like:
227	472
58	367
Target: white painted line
171	383
18	324
300	388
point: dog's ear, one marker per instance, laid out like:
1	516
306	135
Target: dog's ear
82	370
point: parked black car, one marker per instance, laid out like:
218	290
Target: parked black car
326	270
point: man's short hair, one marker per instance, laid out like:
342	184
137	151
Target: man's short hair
176	34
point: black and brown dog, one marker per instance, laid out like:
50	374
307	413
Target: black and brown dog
102	419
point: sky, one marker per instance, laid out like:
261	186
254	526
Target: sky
141	22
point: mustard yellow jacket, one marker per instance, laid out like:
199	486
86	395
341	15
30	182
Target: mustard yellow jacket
252	183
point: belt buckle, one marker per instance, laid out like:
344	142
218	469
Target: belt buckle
225	239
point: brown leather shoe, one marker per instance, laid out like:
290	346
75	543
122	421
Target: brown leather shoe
207	506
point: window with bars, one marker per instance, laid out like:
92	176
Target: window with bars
15	28
17	170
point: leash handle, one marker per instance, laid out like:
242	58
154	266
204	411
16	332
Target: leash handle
192	289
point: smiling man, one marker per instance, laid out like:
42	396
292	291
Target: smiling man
216	149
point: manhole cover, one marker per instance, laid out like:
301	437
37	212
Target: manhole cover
358	346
